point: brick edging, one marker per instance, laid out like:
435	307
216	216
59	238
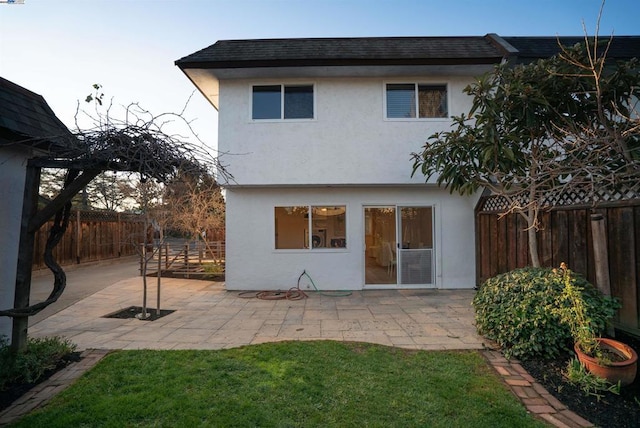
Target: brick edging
534	396
40	394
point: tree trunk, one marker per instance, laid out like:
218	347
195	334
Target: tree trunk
533	246
532	235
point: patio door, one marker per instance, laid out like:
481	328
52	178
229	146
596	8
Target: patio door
399	246
415	249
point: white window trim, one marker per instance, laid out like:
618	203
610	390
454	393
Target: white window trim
282	86
310	249
415	82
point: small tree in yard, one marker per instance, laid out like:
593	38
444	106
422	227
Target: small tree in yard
195	204
540	130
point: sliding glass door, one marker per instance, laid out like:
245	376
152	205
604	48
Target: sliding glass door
415	252
399	246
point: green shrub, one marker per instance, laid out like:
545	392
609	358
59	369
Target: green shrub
213	268
41	355
519	310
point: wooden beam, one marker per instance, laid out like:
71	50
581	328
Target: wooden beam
32	220
25	258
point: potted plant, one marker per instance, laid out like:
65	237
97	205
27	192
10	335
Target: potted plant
607	358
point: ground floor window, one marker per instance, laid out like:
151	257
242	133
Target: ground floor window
310	227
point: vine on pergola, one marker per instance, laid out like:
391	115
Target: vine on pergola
137	144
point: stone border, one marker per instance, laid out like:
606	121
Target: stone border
534	396
40	394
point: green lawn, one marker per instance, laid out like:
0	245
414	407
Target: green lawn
287	384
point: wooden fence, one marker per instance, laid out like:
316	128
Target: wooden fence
565	236
93	236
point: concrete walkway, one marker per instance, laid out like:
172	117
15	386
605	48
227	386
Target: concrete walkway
82	281
209	317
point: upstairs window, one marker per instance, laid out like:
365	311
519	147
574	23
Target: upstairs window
416	100
278	102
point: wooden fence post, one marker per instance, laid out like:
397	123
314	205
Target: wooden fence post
601	259
78	236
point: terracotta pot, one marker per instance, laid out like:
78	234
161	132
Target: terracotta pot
623	371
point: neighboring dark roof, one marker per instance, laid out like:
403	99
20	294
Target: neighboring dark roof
622	47
26	118
345	51
386	51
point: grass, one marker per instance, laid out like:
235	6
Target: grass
287	384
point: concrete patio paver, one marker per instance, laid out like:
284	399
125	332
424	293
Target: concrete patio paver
206	314
209	317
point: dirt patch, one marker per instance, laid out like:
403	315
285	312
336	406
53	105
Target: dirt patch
136	312
610	410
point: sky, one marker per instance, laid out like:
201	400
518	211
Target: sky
60	48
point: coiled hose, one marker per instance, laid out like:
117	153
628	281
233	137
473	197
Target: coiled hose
294	293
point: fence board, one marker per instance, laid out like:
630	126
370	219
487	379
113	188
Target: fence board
92	236
566	236
636	228
577	236
622	263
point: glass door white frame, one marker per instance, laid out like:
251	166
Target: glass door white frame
413	264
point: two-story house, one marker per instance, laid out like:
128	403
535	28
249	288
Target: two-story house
318	134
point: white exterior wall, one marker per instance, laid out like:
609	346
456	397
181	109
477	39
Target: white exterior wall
349	154
348	142
12	174
253	263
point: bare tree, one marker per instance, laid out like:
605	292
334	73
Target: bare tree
195	205
109	191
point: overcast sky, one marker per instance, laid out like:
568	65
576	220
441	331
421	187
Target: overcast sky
59	48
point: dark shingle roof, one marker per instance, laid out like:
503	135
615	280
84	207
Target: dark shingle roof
622	47
26	118
344	51
386	51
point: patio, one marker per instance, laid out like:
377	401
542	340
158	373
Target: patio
209	317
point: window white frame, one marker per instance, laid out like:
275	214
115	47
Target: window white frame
333	236
283	87
416	85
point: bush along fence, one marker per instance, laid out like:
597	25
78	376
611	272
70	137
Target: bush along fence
93	236
566	236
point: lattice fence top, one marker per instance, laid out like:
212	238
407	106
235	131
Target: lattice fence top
499	203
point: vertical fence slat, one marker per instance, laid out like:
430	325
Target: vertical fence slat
91	236
578	250
622	263
560	237
636	228
502	245
566	236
